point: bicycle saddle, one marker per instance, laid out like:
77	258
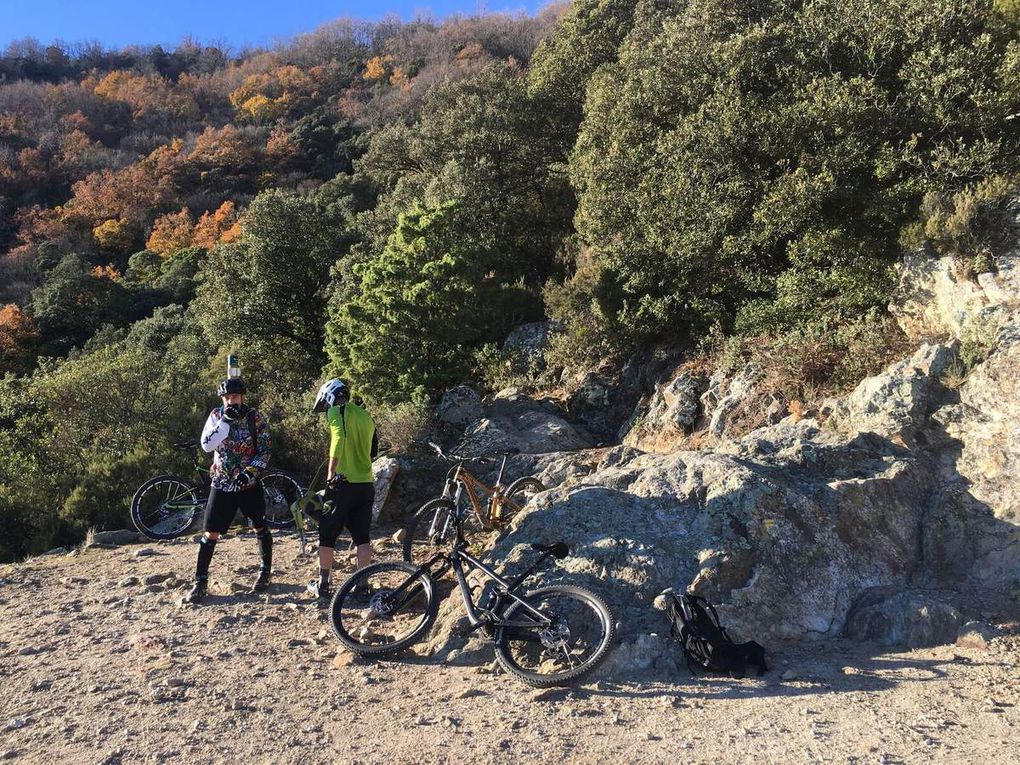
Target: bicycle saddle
557	549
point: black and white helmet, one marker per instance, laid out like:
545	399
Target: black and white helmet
332	393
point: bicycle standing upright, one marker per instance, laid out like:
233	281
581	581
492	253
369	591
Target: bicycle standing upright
430	526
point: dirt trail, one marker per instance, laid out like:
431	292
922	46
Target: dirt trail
100	664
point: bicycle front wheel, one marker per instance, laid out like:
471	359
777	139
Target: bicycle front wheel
280	490
563	634
166	506
383	608
431	529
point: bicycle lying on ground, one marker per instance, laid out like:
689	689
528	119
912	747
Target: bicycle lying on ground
549	636
166	506
429	527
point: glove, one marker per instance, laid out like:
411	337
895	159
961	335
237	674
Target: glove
246	477
335	482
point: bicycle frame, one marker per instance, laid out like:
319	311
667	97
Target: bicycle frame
484	616
465	481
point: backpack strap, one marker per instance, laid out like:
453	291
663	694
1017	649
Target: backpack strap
704	602
252	432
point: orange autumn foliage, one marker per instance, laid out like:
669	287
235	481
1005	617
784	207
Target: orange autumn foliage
129	193
220	226
17	336
75	121
225	147
146	94
106	272
171	232
266	96
38	224
376	67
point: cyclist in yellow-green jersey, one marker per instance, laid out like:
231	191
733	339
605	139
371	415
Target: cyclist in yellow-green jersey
349	481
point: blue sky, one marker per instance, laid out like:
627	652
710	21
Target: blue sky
116	23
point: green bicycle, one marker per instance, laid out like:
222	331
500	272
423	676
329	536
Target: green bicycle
166	506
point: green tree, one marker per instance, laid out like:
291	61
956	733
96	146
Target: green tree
588	36
266	293
738	152
73	302
436	293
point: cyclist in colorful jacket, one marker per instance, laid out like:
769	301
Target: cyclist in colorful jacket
239	436
350	488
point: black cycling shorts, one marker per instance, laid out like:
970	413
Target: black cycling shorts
223	506
353	503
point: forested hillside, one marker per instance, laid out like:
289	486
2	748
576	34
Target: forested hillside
387	201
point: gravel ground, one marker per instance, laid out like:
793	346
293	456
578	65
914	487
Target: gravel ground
100	663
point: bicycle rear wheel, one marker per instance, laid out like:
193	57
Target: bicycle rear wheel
519	494
383	608
280	490
166	506
569	640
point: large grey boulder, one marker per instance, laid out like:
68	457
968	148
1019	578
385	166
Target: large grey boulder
514	422
385	471
785	544
526	345
662	422
936	297
897	402
459	407
909	618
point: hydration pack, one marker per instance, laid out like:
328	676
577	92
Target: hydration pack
695	626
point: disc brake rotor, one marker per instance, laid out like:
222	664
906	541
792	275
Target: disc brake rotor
555	637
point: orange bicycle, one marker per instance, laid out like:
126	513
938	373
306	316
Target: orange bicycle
431	526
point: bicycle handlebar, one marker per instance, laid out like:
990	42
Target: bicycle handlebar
462	458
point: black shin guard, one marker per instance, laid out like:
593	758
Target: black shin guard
265	549
206	548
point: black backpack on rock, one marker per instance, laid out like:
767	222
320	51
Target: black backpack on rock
695	626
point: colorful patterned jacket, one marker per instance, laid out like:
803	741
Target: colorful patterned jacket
232	443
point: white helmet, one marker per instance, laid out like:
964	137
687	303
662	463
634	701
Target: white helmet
332	393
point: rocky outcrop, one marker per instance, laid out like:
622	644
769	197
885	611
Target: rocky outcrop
514	422
459	407
879	523
910	618
937	297
508	421
895	403
607	401
526	346
662	422
741	528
